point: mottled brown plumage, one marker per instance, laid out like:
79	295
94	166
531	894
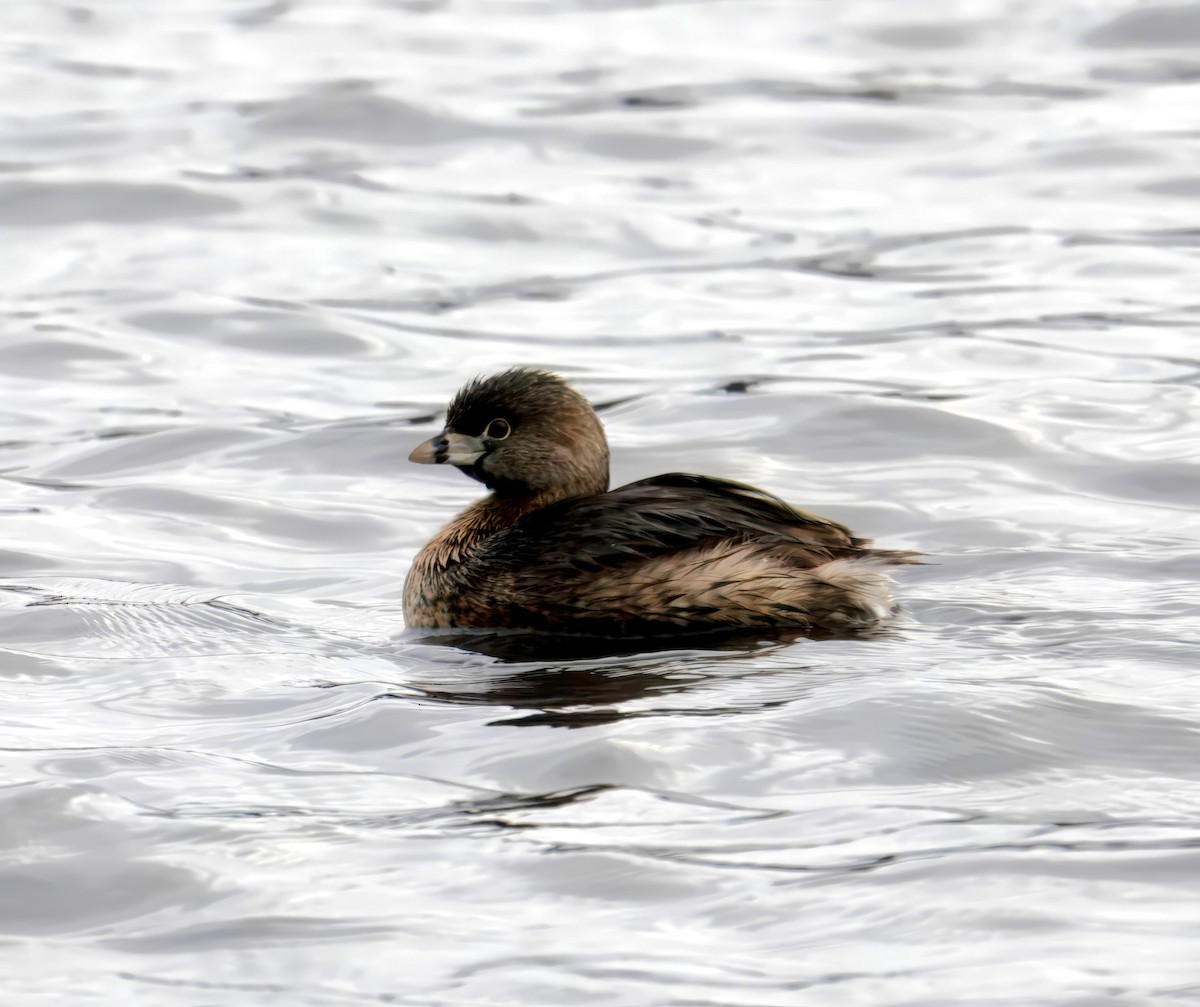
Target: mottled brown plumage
551	548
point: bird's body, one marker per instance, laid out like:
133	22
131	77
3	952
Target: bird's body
552	549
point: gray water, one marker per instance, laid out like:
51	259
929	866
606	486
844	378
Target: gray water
932	270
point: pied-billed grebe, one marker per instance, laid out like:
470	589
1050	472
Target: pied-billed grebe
552	548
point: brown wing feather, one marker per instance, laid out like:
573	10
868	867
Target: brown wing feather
672	550
658	516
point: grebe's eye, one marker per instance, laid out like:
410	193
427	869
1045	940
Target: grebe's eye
497	430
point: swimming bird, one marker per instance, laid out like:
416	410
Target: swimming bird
552	548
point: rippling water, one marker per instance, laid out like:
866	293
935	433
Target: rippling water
929	269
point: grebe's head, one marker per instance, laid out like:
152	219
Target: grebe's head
523	433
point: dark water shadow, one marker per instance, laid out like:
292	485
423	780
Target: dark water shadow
581	681
566	696
522	647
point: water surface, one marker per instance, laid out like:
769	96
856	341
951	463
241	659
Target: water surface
930	270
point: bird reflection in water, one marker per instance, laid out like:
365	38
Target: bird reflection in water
581	681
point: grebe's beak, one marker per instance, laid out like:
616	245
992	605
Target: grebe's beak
457	449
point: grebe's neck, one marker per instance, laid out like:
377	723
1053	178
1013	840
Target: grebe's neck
492	514
442	582
479	522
